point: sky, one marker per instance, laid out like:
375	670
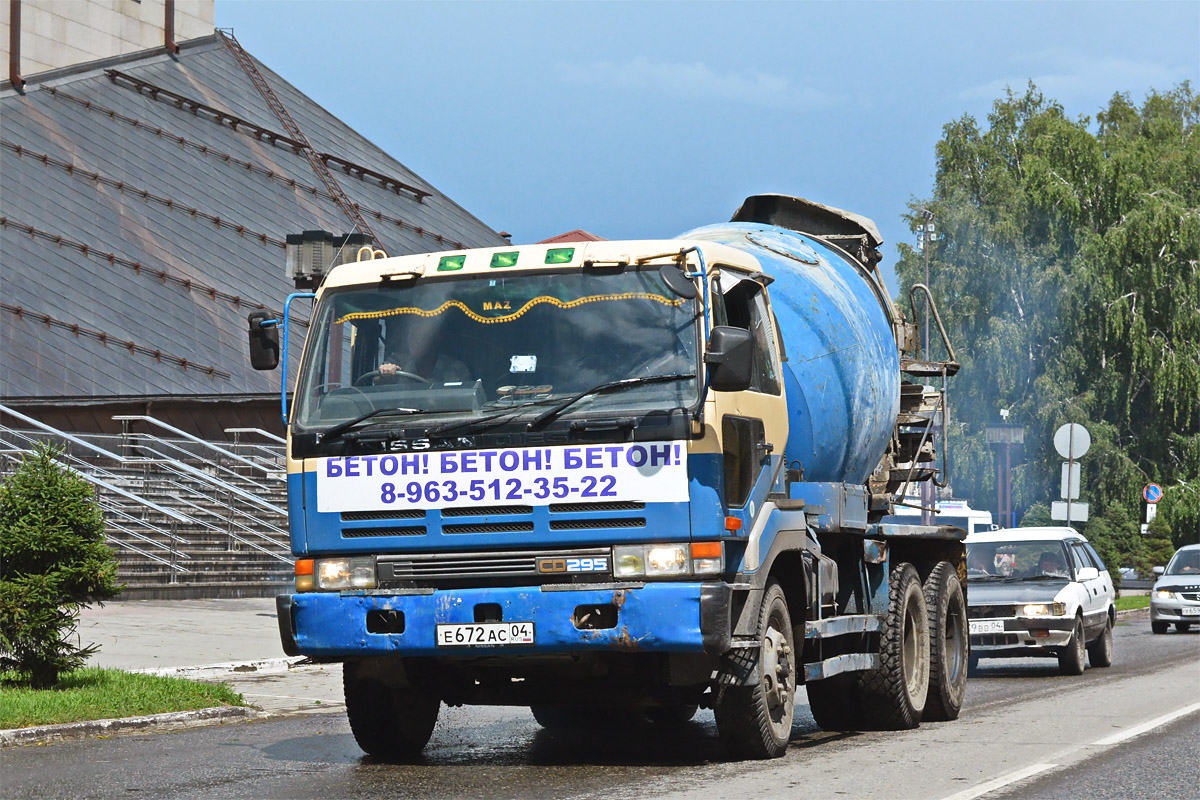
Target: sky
645	120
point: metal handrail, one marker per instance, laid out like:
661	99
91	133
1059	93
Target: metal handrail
172	466
259	431
188	437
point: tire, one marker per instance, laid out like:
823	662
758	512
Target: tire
1183	627
388	722
1158	626
755	720
948	644
834	703
1071	657
671	715
893	697
1100	652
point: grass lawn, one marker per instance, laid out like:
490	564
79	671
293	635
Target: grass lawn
94	693
1128	602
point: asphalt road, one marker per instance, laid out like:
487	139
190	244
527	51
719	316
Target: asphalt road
1025	732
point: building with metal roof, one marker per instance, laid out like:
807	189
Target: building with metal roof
145	204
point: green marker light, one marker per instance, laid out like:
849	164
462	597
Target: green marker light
560	255
451	263
505	259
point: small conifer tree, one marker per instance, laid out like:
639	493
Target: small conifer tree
53	563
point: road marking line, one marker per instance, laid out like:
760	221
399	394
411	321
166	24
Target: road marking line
1002	781
1138	730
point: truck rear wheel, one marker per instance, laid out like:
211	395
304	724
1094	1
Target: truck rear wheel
754	710
893	696
947	643
388	722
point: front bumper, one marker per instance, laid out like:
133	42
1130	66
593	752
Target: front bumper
1174	610
649	617
1022	636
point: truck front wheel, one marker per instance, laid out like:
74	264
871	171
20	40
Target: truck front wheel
893	696
756	693
388	722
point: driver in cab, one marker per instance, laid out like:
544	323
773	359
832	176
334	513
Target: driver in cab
413	353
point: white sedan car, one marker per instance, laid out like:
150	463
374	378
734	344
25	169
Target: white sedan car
1176	594
1039	592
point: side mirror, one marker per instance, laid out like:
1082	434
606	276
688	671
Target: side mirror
730	358
1159	570
1087	574
264	340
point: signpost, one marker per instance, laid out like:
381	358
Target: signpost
1152	494
1071	441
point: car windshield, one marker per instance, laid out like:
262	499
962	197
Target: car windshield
1017	560
1185	562
468	348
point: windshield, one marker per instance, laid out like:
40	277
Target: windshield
464	348
1027	560
1185	562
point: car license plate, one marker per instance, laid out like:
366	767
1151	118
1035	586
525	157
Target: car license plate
484	634
987	626
1190	611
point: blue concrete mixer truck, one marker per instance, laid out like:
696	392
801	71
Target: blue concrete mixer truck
623	477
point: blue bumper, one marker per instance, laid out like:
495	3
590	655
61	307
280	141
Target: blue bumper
654	617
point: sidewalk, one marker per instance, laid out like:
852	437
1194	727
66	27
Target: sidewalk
235	642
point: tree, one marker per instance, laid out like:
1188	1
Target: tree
1068	275
53	563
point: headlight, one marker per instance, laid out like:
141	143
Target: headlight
1044	609
345	573
667	560
1162	594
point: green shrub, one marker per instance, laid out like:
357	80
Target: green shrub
53	563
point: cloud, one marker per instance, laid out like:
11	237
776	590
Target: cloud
1073	78
691	81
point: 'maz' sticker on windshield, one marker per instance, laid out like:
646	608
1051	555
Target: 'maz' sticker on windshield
648	472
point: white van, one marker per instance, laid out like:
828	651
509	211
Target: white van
949	512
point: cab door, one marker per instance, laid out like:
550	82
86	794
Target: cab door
1096	589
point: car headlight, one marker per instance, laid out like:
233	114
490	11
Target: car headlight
667	560
1163	594
333	574
1045	609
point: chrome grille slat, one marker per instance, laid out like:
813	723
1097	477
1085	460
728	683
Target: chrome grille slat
435	567
487	511
582	524
516	526
362	533
581	508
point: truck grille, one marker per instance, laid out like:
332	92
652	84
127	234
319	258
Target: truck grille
435	569
494	520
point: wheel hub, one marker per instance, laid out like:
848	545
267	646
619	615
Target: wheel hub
777	673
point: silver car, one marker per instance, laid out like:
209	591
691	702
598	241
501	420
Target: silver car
1175	597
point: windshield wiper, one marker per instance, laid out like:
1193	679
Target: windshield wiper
338	430
550	414
510	411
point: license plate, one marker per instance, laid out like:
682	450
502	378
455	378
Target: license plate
1190	611
987	626
485	634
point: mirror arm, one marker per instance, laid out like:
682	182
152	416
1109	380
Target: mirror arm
698	416
283	355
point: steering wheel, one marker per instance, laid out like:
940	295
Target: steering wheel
367	377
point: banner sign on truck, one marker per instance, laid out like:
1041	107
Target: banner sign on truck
651	472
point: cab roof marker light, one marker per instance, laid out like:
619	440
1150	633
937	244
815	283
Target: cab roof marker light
560	255
505	259
451	263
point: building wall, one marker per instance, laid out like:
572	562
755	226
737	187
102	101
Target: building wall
60	33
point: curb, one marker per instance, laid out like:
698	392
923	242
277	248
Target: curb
1134	613
215	715
101	727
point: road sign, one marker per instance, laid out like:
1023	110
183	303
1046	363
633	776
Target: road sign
1071	512
1152	493
1072	440
1070	481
